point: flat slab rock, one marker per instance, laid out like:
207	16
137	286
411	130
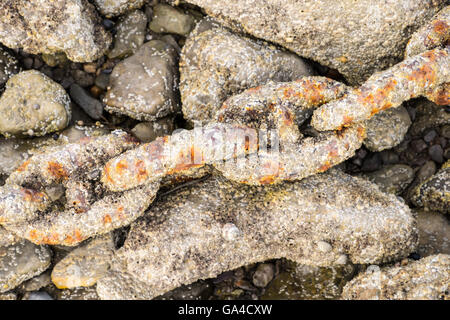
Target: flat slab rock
216	225
49	27
427	278
355	37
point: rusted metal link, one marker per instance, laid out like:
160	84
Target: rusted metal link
434	34
237	147
419	75
28	209
281	106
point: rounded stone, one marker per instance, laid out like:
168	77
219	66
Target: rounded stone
26	90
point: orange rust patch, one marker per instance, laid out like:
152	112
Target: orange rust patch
325	166
57	170
253	90
288	92
77	235
53	238
267	179
31	195
288	119
33	235
361	132
440	27
441	96
347	121
108	173
142	173
121	165
23	166
424	74
107	219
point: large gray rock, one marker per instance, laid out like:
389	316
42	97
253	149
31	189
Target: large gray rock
425	279
33	105
44	26
143	85
130	34
216	63
20	262
215	226
355	37
112	8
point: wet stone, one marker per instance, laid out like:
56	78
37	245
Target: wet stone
429	115
50	27
130	34
149	131
83	266
90	105
308	282
167	19
392	178
263	275
83	78
8	66
434	193
37	283
436	153
53	60
33	105
418	145
129	92
387	129
21	262
37	295
110	8
434	233
102	81
424	279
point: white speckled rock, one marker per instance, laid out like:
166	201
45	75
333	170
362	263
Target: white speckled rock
49	27
357	37
21	262
130	34
425	279
33	105
110	8
216	64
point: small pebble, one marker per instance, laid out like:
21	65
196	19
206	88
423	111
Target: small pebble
263	275
436	153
